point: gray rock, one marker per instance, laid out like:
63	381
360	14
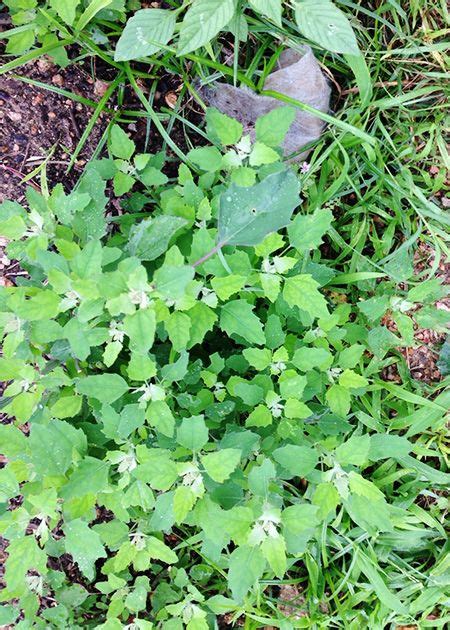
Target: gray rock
298	76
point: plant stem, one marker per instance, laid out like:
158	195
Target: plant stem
211	253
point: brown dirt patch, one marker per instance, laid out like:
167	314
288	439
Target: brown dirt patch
33	120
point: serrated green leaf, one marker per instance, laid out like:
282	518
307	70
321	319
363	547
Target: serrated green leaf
84	545
302	291
120	144
220	465
298	460
223	128
272	128
237	318
306	230
245	569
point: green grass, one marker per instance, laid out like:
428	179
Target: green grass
380	166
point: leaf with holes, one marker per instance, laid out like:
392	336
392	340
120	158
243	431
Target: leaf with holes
145	33
246	215
203	20
323	23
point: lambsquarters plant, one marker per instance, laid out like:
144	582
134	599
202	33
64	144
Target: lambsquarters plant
191	413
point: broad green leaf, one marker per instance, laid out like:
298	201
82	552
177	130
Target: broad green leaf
172	281
384	446
259	417
221	464
326	498
131	418
269	8
354	451
160	551
352	380
272	128
323	23
302	291
260	477
262	154
203	319
151	237
192	433
104	387
228	285
66	9
24	554
43	304
145	33
54	445
237	318
155	468
245	569
203	21
9	486
177	326
300	518
247	214
274	551
222	128
84	545
160	416
140	328
90	477
183	501
307	358
207	158
120	144
338	398
306	230
258	358
298	460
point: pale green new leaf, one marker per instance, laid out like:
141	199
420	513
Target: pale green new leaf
66	9
120	144
221	464
302	291
272	128
274	551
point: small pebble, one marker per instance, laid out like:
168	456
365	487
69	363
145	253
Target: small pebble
15	116
57	80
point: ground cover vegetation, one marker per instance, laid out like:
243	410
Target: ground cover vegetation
216	408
